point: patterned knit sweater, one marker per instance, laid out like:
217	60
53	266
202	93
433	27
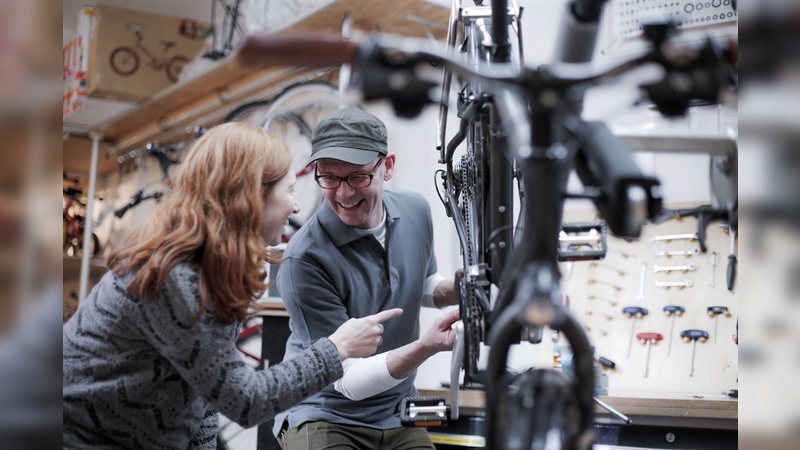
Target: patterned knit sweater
139	374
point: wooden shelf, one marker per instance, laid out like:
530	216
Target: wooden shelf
209	96
78	156
72	268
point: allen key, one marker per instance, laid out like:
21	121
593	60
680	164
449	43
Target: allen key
633	313
672	311
611	301
648	338
608	267
715	311
693	336
607	283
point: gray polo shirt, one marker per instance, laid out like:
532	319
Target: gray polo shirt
332	272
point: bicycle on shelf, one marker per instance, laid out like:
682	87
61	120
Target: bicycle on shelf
124	60
74	220
292	114
529	120
165	161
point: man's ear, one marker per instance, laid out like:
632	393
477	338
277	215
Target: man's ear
389	164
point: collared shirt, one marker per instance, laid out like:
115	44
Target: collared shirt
332	272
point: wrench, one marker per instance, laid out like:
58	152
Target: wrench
672	284
674	237
671	253
683	268
640	296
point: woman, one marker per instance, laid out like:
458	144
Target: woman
149	357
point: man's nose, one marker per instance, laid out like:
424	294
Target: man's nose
344	190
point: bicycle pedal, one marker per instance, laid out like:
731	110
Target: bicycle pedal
424	412
582	241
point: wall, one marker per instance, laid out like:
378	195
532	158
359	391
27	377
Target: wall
684	176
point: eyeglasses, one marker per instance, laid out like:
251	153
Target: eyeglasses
356	181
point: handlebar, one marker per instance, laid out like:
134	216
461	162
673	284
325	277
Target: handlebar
137	198
705	70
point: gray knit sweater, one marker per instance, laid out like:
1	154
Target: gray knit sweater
139	374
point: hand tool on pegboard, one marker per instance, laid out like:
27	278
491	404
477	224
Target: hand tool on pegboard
642	275
693	336
712	282
633	313
731	278
714	312
672	311
648	339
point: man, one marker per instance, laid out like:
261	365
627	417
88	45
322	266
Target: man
365	250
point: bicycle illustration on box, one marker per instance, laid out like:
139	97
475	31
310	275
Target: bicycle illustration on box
124	59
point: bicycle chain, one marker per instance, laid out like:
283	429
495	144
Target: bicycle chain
471	312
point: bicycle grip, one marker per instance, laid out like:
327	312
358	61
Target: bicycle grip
605	163
296	49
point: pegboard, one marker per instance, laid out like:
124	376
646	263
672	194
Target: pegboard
622	23
598	291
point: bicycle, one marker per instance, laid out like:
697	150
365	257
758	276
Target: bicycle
124	60
74	222
538	111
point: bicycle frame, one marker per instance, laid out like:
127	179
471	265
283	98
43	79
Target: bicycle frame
539	112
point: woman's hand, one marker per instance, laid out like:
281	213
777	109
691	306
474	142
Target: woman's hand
357	338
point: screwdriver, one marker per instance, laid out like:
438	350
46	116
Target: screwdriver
732	257
633	312
693	336
672	311
648	338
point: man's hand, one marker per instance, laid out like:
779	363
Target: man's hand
357	338
446	292
439	337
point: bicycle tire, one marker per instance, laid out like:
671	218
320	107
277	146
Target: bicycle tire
124	61
175	67
292	115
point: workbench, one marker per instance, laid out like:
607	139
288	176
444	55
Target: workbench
685	421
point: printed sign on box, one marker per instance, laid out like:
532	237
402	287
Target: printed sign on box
134	54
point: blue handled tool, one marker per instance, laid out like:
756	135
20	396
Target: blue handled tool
633	312
672	311
693	336
715	311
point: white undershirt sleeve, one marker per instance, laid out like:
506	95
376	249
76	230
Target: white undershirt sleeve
365	377
427	291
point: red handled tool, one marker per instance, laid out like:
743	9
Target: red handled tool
648	338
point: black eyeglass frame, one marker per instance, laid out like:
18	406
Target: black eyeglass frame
346	179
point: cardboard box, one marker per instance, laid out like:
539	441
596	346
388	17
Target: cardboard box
134	55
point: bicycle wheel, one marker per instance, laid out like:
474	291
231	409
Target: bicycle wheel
292	116
124	61
175	67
